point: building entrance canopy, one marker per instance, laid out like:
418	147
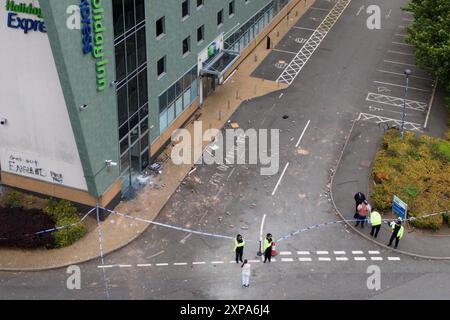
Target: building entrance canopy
220	63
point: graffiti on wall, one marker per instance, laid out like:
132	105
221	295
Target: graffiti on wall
32	168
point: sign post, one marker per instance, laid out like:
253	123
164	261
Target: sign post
400	208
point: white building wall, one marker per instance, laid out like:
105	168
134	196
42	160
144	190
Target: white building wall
37	140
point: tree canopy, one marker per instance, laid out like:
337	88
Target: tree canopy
430	34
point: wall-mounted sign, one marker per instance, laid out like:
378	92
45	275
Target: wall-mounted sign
16	21
92	19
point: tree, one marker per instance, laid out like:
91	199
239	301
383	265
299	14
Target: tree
430	34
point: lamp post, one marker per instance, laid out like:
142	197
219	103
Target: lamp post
407	74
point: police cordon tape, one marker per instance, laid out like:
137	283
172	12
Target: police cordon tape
167	225
345	221
294	233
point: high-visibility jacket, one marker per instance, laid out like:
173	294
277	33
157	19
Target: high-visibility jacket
375	218
238	244
267	244
400	232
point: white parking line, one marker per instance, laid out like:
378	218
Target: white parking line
400	63
180	264
304	259
217	262
284	51
402	44
341	259
321	9
144	265
161	264
402	53
125	266
401	86
302	28
285	253
339	252
376	258
303	252
407	19
303	133
374	252
360	259
401	35
402	74
279	180
357	252
324	259
254	261
105	266
393	258
199	262
287	259
322	252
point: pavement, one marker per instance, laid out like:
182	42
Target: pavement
315	115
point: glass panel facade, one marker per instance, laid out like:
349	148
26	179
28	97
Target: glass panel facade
177	98
132	86
242	37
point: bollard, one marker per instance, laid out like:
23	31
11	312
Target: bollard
278	33
256	58
220	114
229	106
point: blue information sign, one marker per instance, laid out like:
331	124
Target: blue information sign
399	207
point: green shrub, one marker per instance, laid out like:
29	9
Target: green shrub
431	223
412	191
441	151
65	214
446	218
13	200
67	236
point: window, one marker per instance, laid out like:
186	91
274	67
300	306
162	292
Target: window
220	18
185	9
161	67
201	33
231	8
160	27
199	3
186	45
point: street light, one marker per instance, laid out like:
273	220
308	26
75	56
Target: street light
407	74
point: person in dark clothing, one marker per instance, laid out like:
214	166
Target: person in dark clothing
359	198
397	232
268	248
239	245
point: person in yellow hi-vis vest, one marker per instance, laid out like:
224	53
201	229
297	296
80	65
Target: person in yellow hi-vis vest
239	245
267	248
375	222
397	232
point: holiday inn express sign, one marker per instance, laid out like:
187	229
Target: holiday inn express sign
16	21
92	29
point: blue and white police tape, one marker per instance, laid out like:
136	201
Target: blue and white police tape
316	226
169	226
65	226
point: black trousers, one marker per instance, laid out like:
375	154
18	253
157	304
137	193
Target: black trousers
375	230
239	254
397	239
362	220
268	254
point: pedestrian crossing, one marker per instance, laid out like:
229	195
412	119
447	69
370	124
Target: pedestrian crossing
319	256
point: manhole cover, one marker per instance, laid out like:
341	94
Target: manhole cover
285	117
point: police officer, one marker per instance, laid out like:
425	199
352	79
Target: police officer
375	221
239	245
267	248
397	232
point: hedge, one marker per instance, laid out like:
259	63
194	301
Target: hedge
417	171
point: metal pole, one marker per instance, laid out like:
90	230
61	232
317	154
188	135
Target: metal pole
402	132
